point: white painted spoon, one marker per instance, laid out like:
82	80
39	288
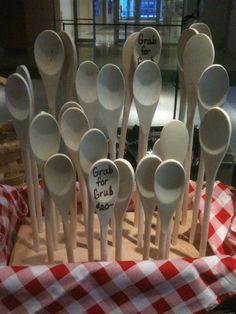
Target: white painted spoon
156	149
126	188
184	38
145	183
86	89
103	185
128	72
49	58
169	182
174	141
111	92
147	46
202	28
73	125
69	65
214	135
19	104
212	92
23	71
67	105
59	176
198	55
147	86
93	146
45	141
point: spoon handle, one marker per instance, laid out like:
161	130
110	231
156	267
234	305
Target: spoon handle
206	217
112	148
47	213
73	219
37	198
182	104
124	125
162	243
69	250
178	212
187	168
90	233
118	239
147	235
28	173
200	179
158	228
103	243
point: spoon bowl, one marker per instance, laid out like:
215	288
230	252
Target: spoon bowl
111	92
214	135
145	184
93	146
86	89
202	28
69	65
20	107
147	46
44	138
212	88
49	58
103	195
169	182
128	72
126	188
174	141
212	92
60	180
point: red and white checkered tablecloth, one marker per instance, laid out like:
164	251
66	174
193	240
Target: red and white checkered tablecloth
182	285
222	226
13	209
179	286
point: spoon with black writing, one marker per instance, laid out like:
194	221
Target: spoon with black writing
103	185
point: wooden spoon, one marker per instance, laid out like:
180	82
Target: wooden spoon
73	125
93	146
23	71
147	86
59	176
184	38
128	72
174	141
156	149
202	28
69	66
126	188
214	135
212	92
49	58
86	89
169	181
145	183
147	46
198	55
19	104
103	185
111	92
67	105
45	139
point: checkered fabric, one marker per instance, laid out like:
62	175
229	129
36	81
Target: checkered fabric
222	226
12	209
179	286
